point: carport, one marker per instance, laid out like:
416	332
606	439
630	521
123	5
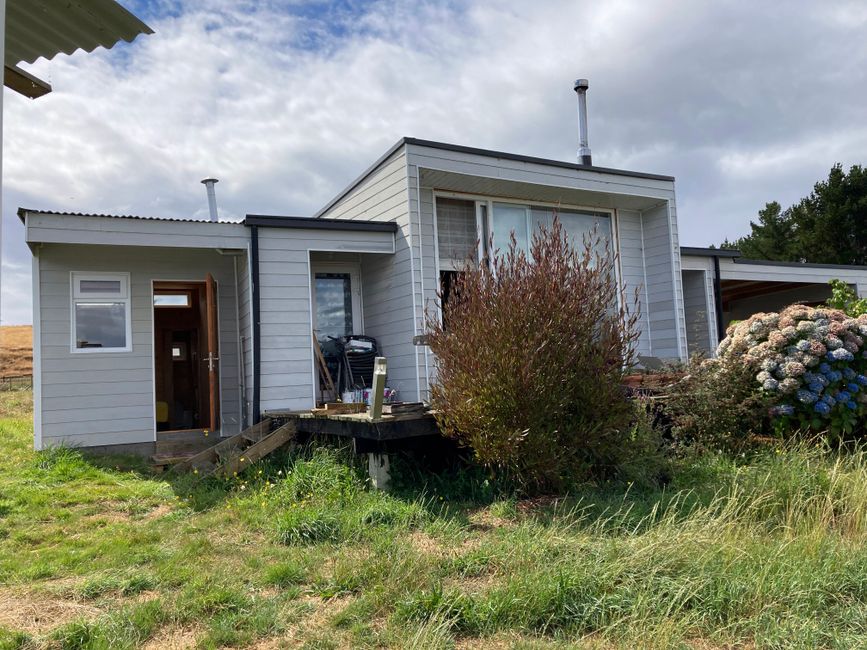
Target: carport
720	286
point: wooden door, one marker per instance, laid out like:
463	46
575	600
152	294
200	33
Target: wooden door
213	358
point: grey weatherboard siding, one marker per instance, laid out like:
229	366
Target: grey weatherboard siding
401	188
286	370
108	398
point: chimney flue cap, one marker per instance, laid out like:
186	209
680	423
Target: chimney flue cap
205	181
581	84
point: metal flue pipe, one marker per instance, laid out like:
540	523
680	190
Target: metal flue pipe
584	158
212	197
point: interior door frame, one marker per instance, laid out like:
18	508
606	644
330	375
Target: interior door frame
154	282
353	269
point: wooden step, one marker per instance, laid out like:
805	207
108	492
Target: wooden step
243	458
231	455
257	431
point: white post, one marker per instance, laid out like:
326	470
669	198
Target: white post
377	390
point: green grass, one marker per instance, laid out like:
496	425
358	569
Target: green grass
764	551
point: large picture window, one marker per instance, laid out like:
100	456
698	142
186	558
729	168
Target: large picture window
101	312
525	220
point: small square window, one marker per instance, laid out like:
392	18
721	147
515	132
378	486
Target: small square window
179	351
100	313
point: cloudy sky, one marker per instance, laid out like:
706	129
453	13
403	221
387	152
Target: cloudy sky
287	101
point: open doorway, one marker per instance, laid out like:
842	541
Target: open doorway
186	355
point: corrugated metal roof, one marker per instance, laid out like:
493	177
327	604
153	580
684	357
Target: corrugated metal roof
23	211
44	28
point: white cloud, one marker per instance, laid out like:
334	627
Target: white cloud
286	109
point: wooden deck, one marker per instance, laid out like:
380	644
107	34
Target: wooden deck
360	426
209	453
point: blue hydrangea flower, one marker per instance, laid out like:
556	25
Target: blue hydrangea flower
851	405
822	379
834	375
806	397
843	396
816	386
802	345
852	387
822	408
829	400
824	368
848	373
861	379
842	354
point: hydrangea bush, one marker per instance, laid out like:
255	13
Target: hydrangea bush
810	362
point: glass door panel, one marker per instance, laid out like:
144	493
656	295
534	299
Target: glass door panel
334	317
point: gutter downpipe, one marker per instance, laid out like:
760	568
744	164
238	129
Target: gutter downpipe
718	304
254	272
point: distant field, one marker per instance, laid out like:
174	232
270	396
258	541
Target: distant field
16	350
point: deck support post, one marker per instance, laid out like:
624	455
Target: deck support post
378	388
379	470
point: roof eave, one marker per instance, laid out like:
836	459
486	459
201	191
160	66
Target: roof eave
489	153
313	223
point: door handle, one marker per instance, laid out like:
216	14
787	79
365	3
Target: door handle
212	359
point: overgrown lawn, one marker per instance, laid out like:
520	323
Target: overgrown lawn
761	551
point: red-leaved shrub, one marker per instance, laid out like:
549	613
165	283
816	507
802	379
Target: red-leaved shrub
531	358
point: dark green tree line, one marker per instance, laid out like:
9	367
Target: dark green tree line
829	226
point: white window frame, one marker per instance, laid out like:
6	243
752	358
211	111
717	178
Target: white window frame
76	297
489	200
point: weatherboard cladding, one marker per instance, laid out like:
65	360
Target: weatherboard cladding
390	311
392	190
96	399
286	371
52	227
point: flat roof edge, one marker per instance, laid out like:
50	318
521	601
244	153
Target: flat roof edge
490	153
709	252
803	265
315	223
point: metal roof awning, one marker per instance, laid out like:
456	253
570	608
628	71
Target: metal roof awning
45	28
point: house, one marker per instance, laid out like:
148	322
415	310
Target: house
721	286
145	325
